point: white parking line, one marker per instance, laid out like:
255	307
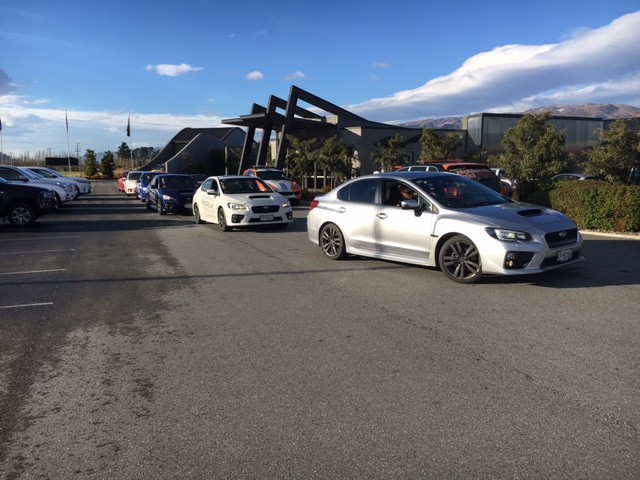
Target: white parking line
38	251
26	305
66	237
36	271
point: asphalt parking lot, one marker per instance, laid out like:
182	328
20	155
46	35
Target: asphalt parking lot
140	346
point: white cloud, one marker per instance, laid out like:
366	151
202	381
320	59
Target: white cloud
602	64
25	127
381	65
167	70
255	75
292	77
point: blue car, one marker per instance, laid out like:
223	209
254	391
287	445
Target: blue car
143	185
170	192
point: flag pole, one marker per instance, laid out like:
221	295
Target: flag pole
129	135
1	144
66	121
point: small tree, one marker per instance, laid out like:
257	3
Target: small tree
90	163
303	156
618	153
533	149
435	147
391	153
108	164
124	155
334	158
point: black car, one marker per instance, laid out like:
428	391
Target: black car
170	192
21	205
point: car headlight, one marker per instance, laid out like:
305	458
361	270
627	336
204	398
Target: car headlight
236	206
167	198
286	205
508	235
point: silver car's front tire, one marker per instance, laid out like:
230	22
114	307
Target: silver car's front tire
459	259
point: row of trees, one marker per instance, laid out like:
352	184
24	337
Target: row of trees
123	158
532	149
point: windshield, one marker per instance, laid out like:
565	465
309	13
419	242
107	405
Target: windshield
29	174
43	173
454	191
134	175
272	175
176	182
244	185
146	177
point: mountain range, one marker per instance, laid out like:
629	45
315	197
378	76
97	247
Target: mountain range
592	110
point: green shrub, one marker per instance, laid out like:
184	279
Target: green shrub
598	205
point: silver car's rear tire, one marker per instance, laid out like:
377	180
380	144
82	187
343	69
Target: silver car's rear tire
332	242
459	259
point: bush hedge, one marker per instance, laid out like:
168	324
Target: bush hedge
597	206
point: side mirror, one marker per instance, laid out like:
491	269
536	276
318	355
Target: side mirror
409	204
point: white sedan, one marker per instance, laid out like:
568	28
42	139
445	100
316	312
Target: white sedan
441	220
232	201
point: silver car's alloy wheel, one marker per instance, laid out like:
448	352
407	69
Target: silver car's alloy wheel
332	242
460	260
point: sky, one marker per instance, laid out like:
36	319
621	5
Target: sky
74	72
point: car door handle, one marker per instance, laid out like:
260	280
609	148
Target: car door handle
341	210
381	216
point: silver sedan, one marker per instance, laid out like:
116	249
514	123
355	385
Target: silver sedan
441	220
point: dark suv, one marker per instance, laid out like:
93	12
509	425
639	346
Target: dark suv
21	205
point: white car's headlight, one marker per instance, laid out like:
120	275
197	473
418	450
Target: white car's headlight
286	205
508	235
236	206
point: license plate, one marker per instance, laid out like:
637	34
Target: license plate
564	255
266	218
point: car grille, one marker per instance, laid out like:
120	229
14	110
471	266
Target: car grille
262	209
562	237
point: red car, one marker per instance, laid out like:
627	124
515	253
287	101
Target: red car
476	171
121	180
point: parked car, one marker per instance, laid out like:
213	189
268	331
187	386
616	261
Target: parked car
279	182
82	185
130	182
575	176
240	201
479	172
142	185
170	192
461	226
16	175
22	204
121	179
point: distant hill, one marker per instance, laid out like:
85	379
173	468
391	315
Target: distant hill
594	110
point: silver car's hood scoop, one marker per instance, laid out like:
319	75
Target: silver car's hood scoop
531	212
520	216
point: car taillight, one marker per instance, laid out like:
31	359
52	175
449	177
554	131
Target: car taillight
314	204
